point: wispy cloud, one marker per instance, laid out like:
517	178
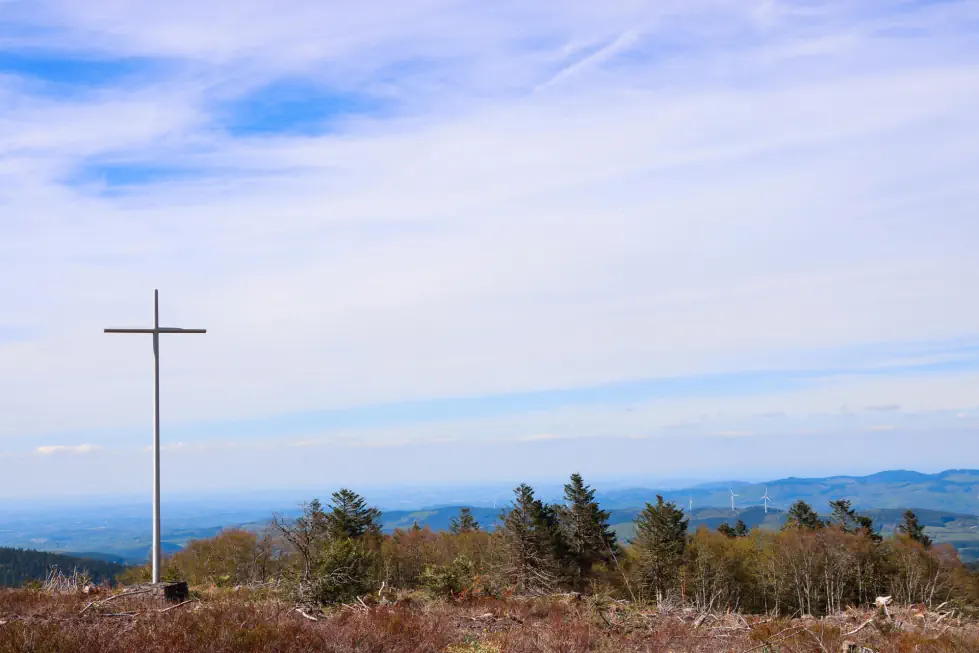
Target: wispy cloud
372	211
882	427
594	59
48	450
733	434
538	437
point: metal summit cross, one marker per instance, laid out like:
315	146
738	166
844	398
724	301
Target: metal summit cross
156	331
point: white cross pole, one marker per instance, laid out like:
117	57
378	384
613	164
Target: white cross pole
156	331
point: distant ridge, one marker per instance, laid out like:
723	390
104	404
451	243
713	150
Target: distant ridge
19	566
953	490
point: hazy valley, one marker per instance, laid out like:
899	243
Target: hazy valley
946	502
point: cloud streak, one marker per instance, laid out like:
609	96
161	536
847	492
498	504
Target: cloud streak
79	449
695	189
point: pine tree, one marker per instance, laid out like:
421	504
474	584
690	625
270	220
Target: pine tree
585	528
913	529
865	526
661	538
802	516
843	515
464	523
536	548
350	516
740	529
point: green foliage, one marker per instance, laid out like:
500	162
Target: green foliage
585	529
343	573
740	529
20	566
843	515
661	537
913	529
801	516
464	523
351	517
536	547
445	581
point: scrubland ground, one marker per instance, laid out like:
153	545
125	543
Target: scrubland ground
249	621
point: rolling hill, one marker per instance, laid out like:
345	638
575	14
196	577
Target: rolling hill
954	491
947	502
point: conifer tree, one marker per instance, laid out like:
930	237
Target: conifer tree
585	528
843	515
865	525
740	529
913	529
536	548
803	517
464	523
661	538
351	517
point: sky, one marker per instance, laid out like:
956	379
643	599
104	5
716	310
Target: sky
443	242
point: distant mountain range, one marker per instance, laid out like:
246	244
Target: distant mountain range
948	502
955	490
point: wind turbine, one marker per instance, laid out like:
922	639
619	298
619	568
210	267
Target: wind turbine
766	499
732	500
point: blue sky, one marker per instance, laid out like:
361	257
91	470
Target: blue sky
538	236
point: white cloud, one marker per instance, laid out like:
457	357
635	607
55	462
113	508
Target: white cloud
71	449
679	215
538	437
882	427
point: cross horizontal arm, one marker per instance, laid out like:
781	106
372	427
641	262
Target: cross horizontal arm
160	330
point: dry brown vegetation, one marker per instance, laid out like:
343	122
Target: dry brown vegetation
247	620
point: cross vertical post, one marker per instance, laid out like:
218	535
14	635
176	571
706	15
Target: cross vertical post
157	554
156	331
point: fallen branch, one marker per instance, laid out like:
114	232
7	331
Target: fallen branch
112	598
860	627
174	607
303	613
818	638
775	639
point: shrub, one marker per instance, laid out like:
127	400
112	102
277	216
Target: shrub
343	573
449	580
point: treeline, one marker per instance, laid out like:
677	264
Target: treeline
337	552
21	566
